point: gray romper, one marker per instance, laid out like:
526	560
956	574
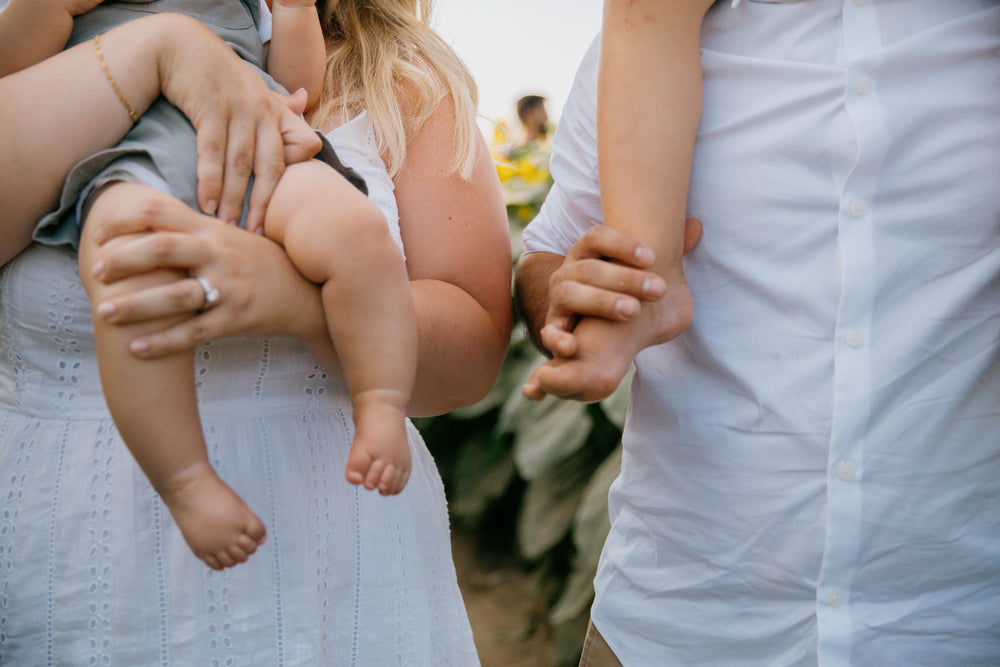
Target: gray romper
163	141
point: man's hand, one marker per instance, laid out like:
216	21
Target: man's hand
603	279
603	275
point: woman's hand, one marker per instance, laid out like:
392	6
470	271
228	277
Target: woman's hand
243	128
260	292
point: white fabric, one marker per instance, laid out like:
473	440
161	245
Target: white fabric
811	472
92	568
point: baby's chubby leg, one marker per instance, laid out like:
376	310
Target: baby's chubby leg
337	237
154	406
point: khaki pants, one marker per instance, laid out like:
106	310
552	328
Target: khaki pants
596	652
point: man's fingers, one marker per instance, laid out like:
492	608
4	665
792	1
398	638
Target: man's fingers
580	299
610	277
602	242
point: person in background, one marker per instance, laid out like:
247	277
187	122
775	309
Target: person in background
534	118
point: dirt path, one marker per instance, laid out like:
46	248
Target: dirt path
508	618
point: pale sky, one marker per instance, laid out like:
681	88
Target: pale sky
517	47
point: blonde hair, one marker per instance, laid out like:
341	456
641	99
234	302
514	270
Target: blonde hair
377	49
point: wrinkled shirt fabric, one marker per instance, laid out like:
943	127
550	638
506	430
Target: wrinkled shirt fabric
811	472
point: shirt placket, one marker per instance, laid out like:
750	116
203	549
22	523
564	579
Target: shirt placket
853	344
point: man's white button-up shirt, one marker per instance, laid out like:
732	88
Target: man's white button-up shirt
811	472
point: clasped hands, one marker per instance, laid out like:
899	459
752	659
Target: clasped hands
604	307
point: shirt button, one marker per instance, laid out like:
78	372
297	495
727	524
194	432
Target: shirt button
853	338
857	208
861	3
862	85
845	471
834	598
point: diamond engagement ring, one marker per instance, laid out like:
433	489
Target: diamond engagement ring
211	294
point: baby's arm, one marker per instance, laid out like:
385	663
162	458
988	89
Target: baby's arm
649	101
33	30
297	55
649	107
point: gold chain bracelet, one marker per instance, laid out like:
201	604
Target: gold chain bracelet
107	73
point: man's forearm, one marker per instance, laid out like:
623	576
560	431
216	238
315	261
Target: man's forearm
532	290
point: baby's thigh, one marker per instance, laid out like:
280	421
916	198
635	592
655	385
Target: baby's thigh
324	222
107	200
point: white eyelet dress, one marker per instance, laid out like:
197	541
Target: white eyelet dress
93	570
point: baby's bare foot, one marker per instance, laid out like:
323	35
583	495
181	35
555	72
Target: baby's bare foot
380	453
215	522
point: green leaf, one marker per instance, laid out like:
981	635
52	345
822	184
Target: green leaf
482	473
550	504
590	530
577	595
545	432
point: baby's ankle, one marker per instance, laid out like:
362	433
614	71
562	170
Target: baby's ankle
180	482
385	401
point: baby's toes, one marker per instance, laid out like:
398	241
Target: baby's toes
224	559
374	476
247	544
357	465
256	532
212	562
387	483
238	554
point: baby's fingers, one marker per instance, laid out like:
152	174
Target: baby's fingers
558	340
269	165
532	388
